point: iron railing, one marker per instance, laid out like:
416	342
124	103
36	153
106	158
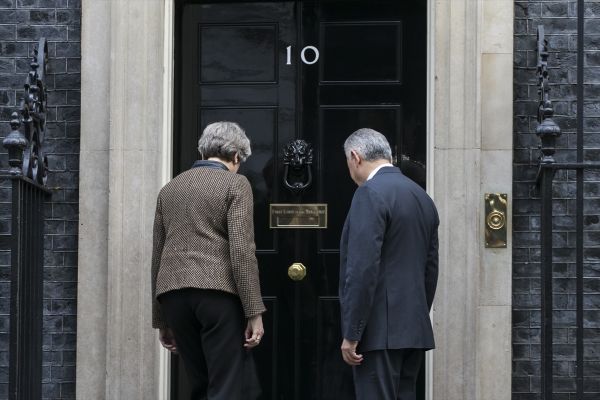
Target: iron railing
28	172
549	131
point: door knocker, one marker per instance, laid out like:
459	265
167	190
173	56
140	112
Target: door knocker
297	158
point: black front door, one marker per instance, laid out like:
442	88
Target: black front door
316	71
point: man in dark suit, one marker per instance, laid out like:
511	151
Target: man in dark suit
388	274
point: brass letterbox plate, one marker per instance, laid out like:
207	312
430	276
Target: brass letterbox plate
298	216
496	216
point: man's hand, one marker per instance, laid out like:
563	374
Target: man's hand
349	353
167	339
254	331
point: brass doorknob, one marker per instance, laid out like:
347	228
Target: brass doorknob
297	271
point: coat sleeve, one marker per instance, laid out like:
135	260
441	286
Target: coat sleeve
240	225
368	219
158	242
431	269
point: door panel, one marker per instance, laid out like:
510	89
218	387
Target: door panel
238	54
363	45
233	65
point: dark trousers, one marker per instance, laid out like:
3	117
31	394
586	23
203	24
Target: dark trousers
388	374
208	326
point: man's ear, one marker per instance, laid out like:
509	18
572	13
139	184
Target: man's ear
354	156
236	158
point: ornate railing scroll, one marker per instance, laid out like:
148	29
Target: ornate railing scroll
28	168
547	130
26	149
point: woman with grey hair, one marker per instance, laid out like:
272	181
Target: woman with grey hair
205	286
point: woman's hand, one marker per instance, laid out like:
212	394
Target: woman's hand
254	331
167	339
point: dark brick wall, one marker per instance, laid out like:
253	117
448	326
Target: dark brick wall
560	21
22	23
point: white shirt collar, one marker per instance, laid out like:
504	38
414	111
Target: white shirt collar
372	174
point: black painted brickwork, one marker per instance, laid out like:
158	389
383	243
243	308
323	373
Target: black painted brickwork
22	23
560	21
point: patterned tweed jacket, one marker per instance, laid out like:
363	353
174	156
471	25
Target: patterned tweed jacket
204	238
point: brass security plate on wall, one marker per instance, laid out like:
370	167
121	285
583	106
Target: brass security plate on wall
496	205
298	216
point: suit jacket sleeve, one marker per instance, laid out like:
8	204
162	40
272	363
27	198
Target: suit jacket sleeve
431	269
242	249
158	242
366	230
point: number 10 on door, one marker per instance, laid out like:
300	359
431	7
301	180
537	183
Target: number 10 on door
305	60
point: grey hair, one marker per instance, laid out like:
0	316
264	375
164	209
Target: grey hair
224	139
369	144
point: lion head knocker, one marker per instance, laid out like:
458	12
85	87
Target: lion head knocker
297	158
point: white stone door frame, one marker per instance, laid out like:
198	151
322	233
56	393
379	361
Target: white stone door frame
126	156
470	135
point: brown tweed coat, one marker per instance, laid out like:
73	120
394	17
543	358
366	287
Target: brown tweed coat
204	238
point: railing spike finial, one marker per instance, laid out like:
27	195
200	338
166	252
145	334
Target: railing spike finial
15	123
15	143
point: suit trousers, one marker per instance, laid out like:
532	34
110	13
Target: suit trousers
208	326
388	374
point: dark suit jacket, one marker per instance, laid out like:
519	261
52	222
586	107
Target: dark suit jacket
389	264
